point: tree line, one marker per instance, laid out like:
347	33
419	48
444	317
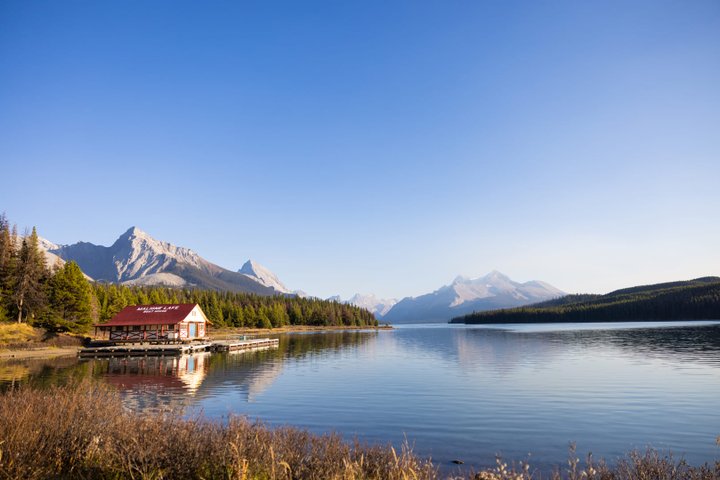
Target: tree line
235	309
692	300
60	298
57	297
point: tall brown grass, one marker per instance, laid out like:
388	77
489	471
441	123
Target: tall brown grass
83	431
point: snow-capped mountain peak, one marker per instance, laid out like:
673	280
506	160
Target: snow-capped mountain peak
47	248
378	306
263	275
138	258
464	295
495	276
46	245
138	254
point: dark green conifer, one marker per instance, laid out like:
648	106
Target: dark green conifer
71	300
30	279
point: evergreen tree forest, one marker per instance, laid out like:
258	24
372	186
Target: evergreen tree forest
233	309
61	299
697	299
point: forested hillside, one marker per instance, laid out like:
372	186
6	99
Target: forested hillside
236	309
59	298
697	299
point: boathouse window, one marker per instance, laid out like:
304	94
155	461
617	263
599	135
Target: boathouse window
136	328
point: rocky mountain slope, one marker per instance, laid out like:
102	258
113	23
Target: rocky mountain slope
263	275
138	258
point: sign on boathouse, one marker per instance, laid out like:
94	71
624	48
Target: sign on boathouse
138	323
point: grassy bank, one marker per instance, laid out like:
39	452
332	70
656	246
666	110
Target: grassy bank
83	431
20	340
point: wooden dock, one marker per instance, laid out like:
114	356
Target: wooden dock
249	344
143	350
165	350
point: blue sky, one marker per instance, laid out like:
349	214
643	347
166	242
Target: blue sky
373	146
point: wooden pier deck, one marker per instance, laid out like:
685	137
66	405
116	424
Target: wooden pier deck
162	350
233	345
143	350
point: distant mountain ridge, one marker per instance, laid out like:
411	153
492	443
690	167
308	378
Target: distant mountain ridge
379	306
464	295
136	258
697	299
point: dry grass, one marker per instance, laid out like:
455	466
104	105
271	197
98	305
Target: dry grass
83	431
17	333
648	465
21	336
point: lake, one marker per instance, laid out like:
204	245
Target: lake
454	391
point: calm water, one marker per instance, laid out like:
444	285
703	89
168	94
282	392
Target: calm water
456	392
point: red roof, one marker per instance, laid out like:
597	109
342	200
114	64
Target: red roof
151	315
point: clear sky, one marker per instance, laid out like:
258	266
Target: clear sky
366	146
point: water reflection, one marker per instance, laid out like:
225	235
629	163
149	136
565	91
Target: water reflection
455	391
308	345
253	371
504	349
15	372
184	373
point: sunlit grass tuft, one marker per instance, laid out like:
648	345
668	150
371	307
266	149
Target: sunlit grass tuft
11	333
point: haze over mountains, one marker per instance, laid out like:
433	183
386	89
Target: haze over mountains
379	306
465	295
136	258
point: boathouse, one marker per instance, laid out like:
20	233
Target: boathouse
155	323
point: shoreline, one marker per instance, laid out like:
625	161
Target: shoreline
37	353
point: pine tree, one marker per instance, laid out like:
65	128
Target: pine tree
30	279
214	312
71	301
117	299
7	264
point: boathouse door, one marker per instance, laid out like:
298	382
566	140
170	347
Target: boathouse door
193	330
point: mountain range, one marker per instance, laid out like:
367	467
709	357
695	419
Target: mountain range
464	295
378	306
697	299
136	258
